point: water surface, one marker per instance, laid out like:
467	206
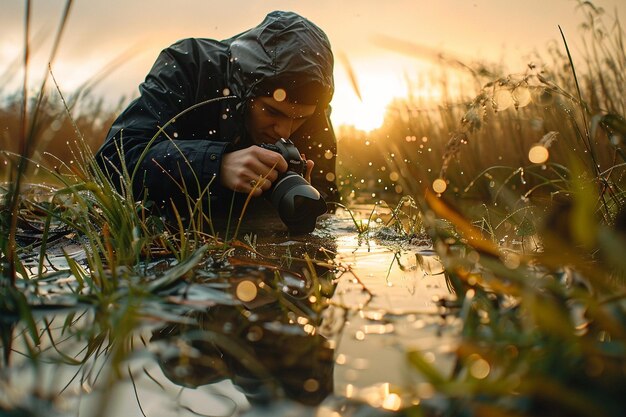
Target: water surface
314	325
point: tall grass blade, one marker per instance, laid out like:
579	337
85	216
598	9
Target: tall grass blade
354	83
177	271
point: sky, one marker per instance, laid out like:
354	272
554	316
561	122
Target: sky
99	32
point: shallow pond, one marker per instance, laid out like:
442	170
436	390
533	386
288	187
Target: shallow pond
318	325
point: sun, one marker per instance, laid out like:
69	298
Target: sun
365	87
377	88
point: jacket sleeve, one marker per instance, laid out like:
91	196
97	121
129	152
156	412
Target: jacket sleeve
166	165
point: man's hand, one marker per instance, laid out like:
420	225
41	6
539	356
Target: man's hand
309	168
242	169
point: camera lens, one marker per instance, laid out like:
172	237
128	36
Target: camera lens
298	203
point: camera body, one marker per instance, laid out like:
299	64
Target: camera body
285	147
298	203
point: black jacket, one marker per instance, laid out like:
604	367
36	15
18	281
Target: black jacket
189	149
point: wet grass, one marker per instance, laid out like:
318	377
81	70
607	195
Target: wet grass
480	140
530	246
113	290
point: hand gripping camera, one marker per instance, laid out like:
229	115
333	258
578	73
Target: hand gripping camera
298	202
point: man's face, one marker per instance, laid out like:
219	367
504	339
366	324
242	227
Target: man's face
269	119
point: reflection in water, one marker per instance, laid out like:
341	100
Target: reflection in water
268	343
325	320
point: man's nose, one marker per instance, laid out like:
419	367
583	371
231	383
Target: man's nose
282	128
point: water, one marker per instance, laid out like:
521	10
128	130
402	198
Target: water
253	335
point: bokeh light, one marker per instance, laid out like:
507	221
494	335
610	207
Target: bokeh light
503	99
479	367
439	185
280	94
521	96
246	291
392	402
538	154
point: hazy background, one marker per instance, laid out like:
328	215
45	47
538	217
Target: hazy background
485	30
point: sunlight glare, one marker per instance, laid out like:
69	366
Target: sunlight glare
71	74
378	88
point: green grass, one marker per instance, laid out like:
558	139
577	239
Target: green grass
543	326
532	250
481	139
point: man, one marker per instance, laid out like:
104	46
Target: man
273	81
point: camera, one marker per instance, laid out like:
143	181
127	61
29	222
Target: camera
298	203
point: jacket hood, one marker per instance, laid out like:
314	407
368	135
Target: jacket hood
285	51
